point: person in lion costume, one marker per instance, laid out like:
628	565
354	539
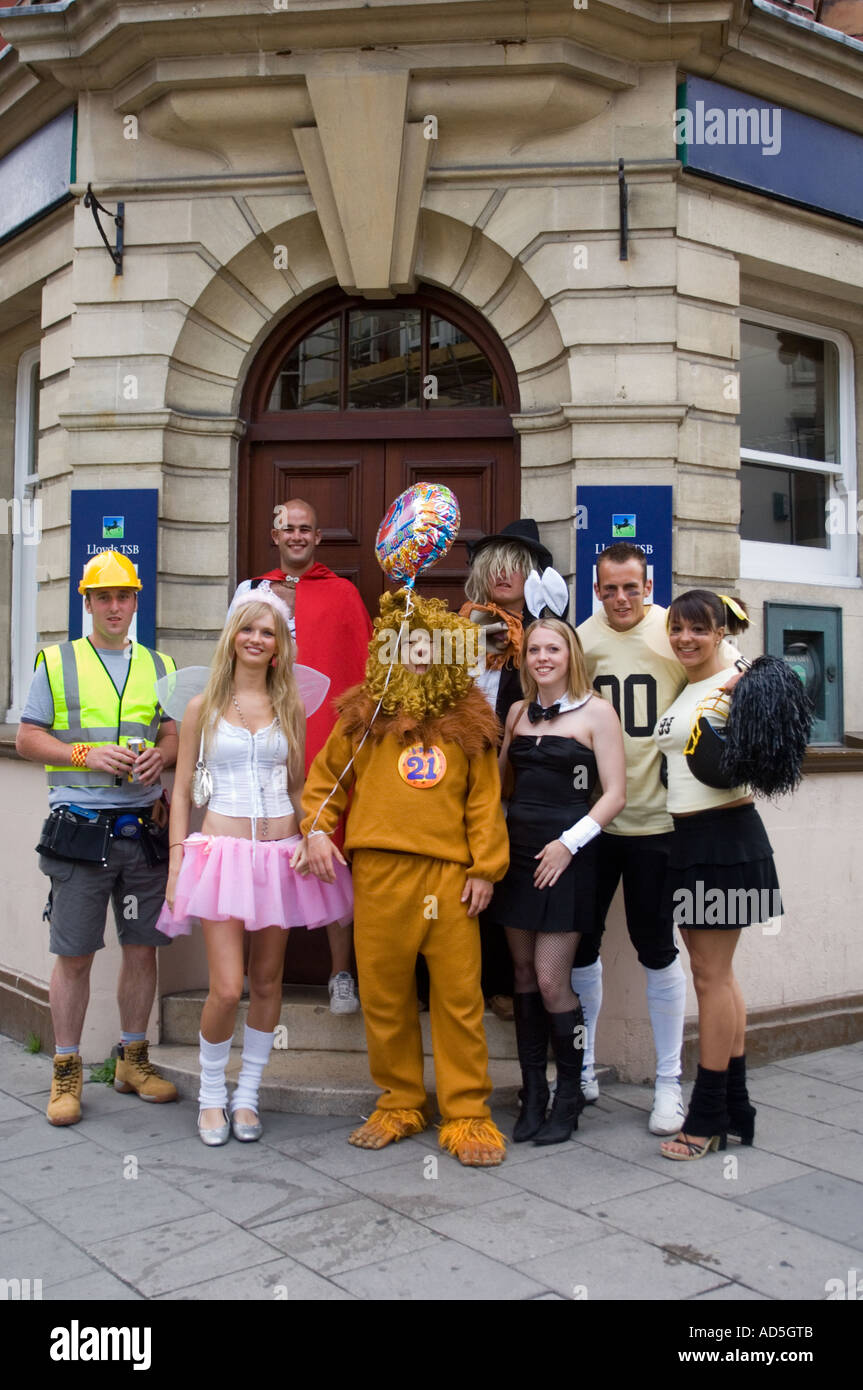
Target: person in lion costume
426	837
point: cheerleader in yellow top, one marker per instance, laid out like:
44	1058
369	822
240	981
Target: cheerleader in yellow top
721	875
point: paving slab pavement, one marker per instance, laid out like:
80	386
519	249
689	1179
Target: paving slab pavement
129	1205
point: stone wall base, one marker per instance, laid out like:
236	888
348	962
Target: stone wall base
789	1031
24	1009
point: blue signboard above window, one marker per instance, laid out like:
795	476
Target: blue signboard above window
757	144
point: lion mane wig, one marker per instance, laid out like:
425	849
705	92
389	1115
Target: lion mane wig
442	703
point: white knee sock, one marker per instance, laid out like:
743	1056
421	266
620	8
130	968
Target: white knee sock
587	984
666	1003
256	1054
213	1057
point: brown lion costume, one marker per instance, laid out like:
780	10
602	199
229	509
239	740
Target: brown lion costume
442	703
425	824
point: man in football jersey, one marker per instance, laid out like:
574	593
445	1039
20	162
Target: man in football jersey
631	664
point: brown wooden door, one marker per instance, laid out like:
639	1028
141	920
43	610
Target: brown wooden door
337	441
351	483
343	481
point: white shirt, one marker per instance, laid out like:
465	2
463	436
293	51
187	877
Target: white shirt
249	771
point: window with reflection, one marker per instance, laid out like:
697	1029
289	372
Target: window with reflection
462	373
308	378
385	359
798	456
788	426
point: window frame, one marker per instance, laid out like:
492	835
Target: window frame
837	564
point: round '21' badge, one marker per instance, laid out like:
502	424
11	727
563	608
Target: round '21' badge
422	767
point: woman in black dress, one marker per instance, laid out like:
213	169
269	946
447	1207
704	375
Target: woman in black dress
560	741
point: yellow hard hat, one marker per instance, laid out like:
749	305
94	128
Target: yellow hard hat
110	570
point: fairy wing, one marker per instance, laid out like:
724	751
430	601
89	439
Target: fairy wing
177	688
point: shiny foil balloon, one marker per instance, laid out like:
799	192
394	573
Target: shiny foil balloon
418	529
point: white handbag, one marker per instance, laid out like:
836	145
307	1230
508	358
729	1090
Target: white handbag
202	782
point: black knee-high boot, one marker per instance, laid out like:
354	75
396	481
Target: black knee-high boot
531	1033
741	1111
707	1115
567	1040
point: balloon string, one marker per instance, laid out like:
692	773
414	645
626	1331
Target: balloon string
350	762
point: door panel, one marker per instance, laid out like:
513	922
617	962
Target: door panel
481	473
343	481
351	484
351	464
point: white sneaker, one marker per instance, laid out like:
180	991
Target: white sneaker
343	994
589	1089
668	1114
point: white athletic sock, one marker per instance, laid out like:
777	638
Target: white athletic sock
666	1003
587	984
213	1057
256	1054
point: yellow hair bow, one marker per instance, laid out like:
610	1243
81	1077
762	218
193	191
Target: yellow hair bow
735	607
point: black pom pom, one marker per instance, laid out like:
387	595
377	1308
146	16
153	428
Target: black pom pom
768	728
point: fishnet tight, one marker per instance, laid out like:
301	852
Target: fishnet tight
543	961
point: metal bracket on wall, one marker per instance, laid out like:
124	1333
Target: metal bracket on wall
623	193
92	202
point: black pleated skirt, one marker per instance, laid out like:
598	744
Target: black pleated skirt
721	873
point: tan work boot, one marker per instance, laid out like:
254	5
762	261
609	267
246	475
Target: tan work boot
135	1072
64	1107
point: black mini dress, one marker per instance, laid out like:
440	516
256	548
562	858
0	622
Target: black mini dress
554	779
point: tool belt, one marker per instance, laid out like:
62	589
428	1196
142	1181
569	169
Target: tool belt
72	832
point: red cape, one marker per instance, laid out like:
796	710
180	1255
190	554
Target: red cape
333	633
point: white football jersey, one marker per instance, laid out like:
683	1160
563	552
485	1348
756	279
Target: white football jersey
637	672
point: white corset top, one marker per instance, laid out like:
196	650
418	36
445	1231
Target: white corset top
249	771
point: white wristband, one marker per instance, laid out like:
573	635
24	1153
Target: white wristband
580	834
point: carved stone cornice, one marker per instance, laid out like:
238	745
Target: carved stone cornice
366	165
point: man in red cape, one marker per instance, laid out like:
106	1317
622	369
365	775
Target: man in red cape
332	635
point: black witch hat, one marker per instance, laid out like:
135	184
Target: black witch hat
524	532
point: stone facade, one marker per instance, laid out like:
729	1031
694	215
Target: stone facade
264	153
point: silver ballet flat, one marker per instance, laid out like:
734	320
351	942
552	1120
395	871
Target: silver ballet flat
213	1138
247	1134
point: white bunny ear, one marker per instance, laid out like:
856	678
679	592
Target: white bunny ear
548	590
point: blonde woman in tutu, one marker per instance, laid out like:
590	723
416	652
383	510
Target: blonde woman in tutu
244	872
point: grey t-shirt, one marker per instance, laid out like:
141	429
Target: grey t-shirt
39	709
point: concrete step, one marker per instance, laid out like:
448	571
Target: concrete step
319	1064
315	1082
310	1025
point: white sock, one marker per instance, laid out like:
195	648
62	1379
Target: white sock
256	1054
666	1004
213	1057
587	984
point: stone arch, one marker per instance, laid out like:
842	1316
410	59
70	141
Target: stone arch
248	295
241	304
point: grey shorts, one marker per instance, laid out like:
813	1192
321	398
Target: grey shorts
78	905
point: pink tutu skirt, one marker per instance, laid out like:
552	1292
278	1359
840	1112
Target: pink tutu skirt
220	879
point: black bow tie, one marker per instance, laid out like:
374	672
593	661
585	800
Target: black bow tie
535	711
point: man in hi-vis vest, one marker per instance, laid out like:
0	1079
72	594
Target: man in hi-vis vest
93	718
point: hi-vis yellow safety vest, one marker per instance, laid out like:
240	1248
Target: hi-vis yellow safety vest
87	708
